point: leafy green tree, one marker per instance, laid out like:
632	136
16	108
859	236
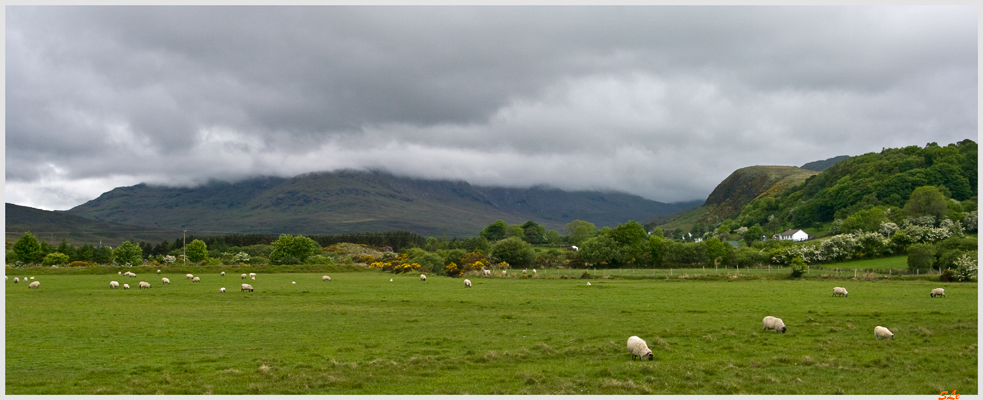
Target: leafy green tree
753	234
55	258
289	249
197	251
515	231
798	267
494	231
533	233
631	242
553	237
926	200
102	255
600	249
716	250
28	249
514	251
579	231
66	249
128	253
477	243
921	256
84	253
868	220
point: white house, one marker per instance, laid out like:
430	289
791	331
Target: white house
795	235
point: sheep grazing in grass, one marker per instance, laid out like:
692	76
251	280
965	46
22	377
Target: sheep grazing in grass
189	276
246	286
126	286
196	279
937	292
32	278
119	272
423	277
243	276
467	283
325	278
534	271
144	285
16	280
588	283
838	291
34	285
485	272
293	282
773	323
165	281
253	278
222	290
505	272
222	274
638	348
158	271
881	332
252	274
113	284
524	272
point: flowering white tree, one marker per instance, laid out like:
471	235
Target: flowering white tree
170	259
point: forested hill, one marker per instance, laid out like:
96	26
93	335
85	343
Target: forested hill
887	179
355	201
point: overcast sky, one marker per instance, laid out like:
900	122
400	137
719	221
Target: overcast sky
663	102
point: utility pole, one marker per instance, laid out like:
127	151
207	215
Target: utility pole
184	247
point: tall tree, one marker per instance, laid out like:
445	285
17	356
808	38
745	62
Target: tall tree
28	249
579	231
494	231
128	253
197	251
926	200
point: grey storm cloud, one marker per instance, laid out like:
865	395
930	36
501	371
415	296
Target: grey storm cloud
659	101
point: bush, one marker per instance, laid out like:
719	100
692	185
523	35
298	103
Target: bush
948	276
798	267
55	258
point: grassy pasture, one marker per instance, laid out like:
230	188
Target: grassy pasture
362	334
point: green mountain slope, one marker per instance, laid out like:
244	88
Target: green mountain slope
355	201
55	226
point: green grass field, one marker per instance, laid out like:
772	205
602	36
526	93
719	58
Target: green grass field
364	334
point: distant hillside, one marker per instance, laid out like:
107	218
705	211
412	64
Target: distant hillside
355	201
55	226
737	190
820	166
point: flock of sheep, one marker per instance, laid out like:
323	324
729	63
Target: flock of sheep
638	348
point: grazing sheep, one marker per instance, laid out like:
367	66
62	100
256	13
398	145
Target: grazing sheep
881	332
34	285
524	272
119	272
935	292
505	272
485	272
158	271
638	348
113	284
165	281
126	286
325	278
144	285
533	271
293	282
196	279
773	323
222	274
189	276
839	291
222	290
243	276
252	274
32	278
246	286
467	283
588	283
390	279
16	280
423	277
253	278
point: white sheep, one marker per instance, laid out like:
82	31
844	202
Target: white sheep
222	274
638	348
935	292
467	283
144	285
113	284
243	276
423	277
505	272
196	279
534	271
588	283
253	278
881	332
165	281
252	274
189	276
524	272
293	282
485	272
126	286
158	271
773	323
16	280
222	290
325	278
246	286
32	278
34	285
839	291
119	272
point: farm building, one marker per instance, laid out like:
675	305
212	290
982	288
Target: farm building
795	235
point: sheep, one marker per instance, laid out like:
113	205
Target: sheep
144	285
485	272
32	278
423	277
189	276
16	280
773	323
293	282
119	272
34	285
935	292
222	273
165	281
588	283
243	276
253	278
246	286
839	291
158	271
881	332
505	272
196	279
325	278
252	275
126	286
222	290
113	284
534	271
638	348
524	272
467	283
